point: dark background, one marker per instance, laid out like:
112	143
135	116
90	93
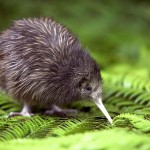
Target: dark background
115	31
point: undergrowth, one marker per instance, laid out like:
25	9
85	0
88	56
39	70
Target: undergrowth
126	99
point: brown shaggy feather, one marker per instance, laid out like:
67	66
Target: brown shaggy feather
42	63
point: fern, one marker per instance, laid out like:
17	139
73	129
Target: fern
128	96
40	127
126	87
20	127
74	126
121	99
107	139
133	122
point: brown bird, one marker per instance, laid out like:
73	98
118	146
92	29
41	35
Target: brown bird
42	65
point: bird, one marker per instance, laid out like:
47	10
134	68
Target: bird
43	65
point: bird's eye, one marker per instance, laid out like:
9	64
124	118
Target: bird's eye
88	88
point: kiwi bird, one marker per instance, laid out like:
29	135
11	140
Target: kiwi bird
43	65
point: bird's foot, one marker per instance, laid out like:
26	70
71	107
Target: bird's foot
57	111
26	111
13	114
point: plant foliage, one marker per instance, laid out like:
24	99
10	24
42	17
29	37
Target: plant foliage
127	100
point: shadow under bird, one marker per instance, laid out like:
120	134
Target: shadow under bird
42	65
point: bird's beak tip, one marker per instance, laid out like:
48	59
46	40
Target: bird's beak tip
100	105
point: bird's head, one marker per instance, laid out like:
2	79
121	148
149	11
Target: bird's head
89	83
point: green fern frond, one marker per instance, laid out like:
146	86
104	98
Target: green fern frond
127	87
133	122
45	130
107	139
132	80
20	127
74	126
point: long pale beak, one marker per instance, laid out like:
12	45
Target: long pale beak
99	103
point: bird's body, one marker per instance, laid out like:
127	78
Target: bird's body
42	63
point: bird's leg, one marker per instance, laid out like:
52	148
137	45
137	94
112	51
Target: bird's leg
26	111
55	110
